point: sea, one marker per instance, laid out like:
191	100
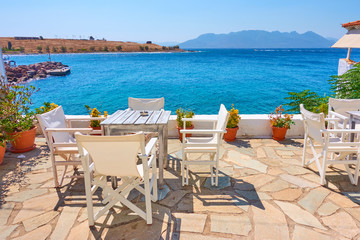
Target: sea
254	80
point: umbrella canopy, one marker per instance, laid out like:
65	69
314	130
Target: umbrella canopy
2	66
350	40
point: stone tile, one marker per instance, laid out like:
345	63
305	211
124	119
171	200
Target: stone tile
211	203
162	193
246	151
342	223
5	212
270	152
260	153
275	186
79	232
341	200
190	222
355	212
173	198
39	177
35	222
327	209
301	233
223	182
64	224
39	234
253	182
6	231
295	170
353	196
231	224
275	171
299	215
285	153
290	160
298	181
313	199
289	194
253	195
247	162
193	236
37	206
25	195
269	223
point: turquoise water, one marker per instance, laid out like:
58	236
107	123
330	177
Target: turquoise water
255	81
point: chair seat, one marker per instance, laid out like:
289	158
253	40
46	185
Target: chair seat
66	150
201	140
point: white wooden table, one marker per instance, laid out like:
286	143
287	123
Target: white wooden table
354	118
131	121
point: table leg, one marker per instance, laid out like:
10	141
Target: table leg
114	183
165	146
161	156
352	126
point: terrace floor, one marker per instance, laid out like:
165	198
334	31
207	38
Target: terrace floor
263	193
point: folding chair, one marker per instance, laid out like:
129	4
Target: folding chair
103	156
209	145
341	152
150	104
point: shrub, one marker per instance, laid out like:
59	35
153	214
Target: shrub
21	49
311	100
141	48
92	49
39	48
46	108
47	49
119	48
63	49
347	86
54	49
9	45
234	118
180	114
163	48
106	49
146	48
71	49
93	112
100	49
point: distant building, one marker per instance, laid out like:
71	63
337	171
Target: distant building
148	42
27	38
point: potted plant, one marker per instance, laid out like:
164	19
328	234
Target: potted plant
232	125
280	123
16	119
93	112
180	114
2	146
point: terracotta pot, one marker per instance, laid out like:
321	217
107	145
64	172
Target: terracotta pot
187	134
23	141
95	128
279	133
230	135
2	153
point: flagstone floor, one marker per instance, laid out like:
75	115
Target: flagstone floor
263	193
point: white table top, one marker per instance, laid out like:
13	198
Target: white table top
130	117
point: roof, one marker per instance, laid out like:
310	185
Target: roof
350	40
352	25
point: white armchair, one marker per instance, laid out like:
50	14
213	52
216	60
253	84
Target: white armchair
59	138
210	145
338	109
341	152
117	156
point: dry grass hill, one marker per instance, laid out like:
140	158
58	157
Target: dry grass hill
11	45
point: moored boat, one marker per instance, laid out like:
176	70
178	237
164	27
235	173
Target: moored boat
59	72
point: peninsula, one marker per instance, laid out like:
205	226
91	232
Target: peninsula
38	45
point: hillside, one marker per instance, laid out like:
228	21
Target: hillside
77	46
258	39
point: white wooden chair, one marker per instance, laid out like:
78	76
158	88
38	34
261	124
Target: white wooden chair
338	109
59	138
154	104
103	156
340	152
209	145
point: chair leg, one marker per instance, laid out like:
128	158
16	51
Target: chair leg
217	168
357	168
155	189
56	182
147	199
304	150
89	203
323	169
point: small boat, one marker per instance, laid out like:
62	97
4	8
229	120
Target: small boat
59	72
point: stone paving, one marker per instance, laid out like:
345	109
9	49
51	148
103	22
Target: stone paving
263	193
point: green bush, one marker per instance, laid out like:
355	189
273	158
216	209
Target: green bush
180	114
63	49
21	49
92	49
347	86
54	49
39	48
119	48
47	49
146	48
311	100
141	48
106	49
163	48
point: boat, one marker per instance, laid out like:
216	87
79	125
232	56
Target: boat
350	40
59	72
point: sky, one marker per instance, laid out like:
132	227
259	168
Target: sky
171	21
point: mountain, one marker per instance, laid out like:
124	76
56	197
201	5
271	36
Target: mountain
258	39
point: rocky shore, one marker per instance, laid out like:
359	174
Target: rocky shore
23	73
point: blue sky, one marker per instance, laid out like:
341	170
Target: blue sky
172	21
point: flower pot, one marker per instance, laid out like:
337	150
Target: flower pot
187	134
279	133
230	134
2	152
95	128
23	141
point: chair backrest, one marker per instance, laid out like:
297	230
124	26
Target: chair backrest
113	155
341	106
222	119
54	119
154	104
313	123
